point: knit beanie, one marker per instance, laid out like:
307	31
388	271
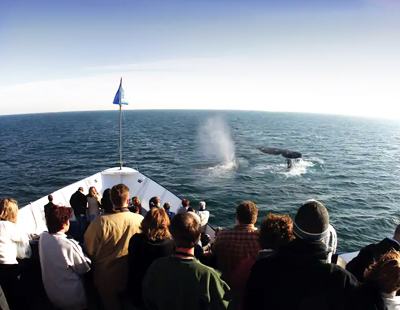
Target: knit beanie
311	221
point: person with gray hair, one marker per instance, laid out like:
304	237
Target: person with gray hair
297	276
203	214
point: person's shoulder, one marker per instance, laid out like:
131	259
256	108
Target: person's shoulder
137	238
161	263
206	270
340	273
133	216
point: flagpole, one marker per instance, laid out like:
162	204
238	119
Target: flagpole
120	108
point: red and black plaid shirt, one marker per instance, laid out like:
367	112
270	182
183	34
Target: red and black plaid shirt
233	245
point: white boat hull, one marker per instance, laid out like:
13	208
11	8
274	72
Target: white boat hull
31	217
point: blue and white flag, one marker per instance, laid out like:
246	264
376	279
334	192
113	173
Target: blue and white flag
119	96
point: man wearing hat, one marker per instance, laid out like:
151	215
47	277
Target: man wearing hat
297	276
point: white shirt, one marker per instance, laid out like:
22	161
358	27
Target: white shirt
392	302
204	216
182	209
331	243
198	217
11	236
62	262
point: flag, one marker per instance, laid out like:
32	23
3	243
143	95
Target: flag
119	96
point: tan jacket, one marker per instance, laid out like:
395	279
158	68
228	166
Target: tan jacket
106	242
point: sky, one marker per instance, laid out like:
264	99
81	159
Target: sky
331	56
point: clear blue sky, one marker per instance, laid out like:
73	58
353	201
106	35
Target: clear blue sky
328	56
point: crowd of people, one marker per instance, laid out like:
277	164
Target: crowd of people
158	260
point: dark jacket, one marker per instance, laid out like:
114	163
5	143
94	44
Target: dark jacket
48	207
368	255
78	202
142	253
297	277
107	205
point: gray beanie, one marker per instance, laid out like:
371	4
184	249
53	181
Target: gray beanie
311	221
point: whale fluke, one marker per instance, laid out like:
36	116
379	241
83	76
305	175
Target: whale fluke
284	153
271	150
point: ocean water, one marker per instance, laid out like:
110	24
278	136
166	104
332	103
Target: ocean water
350	164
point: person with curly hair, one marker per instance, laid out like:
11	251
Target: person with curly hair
275	232
382	282
153	242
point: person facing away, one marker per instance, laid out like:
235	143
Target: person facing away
153	242
11	238
106	242
78	202
194	285
62	262
136	204
275	232
154	202
297	275
371	253
94	203
166	207
106	203
203	214
49	205
184	207
233	245
193	212
381	283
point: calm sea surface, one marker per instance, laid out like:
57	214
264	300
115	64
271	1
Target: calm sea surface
350	164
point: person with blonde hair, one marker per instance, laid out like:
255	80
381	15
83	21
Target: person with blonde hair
94	203
144	248
382	279
12	240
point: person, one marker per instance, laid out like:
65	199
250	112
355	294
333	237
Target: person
78	203
62	262
371	253
204	215
297	275
12	239
275	232
154	202
330	240
106	203
106	242
153	242
382	282
94	203
166	207
184	207
231	246
49	205
206	242
289	163
136	205
198	286
3	301
193	212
